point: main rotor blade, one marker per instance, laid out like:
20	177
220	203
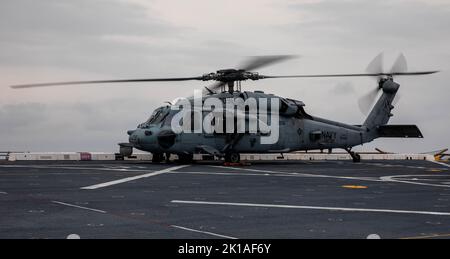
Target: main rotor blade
107	82
257	62
354	75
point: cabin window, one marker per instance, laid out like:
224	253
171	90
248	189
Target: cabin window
315	135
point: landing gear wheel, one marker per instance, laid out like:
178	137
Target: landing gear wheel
167	157
356	158
232	157
157	157
186	158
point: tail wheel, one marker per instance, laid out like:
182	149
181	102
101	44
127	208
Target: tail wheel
233	157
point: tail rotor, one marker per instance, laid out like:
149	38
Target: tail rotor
375	67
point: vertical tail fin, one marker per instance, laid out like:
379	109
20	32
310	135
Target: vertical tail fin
381	112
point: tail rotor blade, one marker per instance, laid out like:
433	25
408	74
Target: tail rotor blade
367	100
376	65
400	65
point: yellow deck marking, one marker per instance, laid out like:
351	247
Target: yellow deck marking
354	186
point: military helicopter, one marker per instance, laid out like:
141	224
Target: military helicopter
298	130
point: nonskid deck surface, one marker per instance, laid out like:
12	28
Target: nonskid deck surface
281	199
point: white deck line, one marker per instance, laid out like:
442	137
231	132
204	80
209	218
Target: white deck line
128	179
203	232
434	213
78	207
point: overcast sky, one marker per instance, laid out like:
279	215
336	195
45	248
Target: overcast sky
52	40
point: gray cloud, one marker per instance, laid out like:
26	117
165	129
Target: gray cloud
33	21
84	35
70	126
343	88
394	24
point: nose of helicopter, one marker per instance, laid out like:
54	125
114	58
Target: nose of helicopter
133	137
164	138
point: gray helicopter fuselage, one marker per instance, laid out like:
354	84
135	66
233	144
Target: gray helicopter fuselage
297	131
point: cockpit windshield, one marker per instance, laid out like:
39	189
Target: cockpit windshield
157	116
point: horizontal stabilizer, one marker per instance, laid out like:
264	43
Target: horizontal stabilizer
399	131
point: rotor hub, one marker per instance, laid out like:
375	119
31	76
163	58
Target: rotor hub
231	75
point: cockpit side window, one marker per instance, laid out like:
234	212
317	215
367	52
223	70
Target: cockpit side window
160	117
153	116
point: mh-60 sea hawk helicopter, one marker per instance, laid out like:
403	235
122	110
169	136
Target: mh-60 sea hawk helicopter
297	129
